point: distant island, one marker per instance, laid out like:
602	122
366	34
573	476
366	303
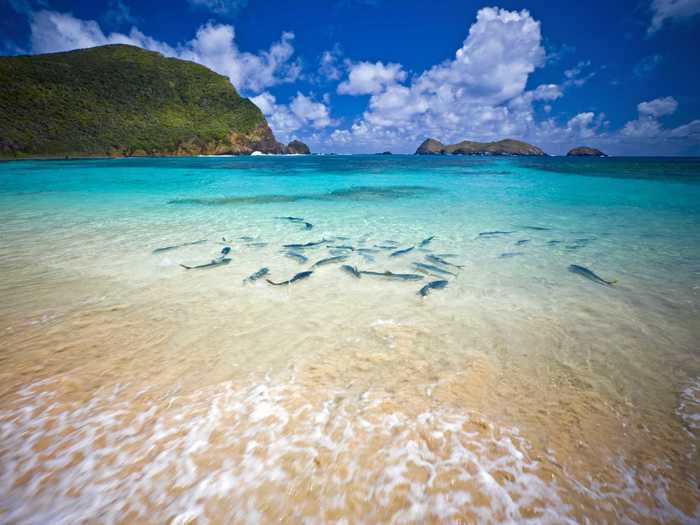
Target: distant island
120	100
585	151
467	147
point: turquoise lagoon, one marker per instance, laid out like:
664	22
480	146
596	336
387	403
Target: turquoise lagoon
133	390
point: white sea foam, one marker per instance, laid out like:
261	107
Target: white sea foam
240	454
111	457
689	405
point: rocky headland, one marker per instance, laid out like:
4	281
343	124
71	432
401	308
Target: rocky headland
123	101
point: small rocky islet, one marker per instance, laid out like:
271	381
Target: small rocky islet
431	146
585	151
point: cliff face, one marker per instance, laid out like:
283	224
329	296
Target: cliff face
585	151
121	100
466	147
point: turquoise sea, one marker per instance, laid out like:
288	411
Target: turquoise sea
135	390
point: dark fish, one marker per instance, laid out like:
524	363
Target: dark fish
225	250
298	257
342	247
168	248
432	269
440	260
262	272
506	255
426	242
432	285
308	225
522	241
338	237
446	254
573	247
401	252
494	232
394	276
297	277
247	238
352	270
588	274
537	228
292	219
330	260
385	246
215	262
553	243
306	245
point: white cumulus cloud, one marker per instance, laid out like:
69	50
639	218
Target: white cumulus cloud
366	78
658	107
302	114
480	93
213	46
647	124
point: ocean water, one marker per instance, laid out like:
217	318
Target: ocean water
135	390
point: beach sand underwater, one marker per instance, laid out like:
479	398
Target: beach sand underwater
520	389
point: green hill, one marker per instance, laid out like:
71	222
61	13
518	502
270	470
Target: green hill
122	100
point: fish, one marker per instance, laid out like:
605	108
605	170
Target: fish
225	250
352	270
537	228
342	247
426	242
522	242
367	250
553	243
432	285
390	241
440	260
494	232
246	238
297	277
298	257
305	245
401	252
385	246
506	255
292	219
394	276
340	238
257	244
175	247
589	274
432	269
262	272
213	263
308	225
330	260
446	254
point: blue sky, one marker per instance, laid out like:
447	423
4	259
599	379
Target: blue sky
374	75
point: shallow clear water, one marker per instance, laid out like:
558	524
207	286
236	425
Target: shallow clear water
132	389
